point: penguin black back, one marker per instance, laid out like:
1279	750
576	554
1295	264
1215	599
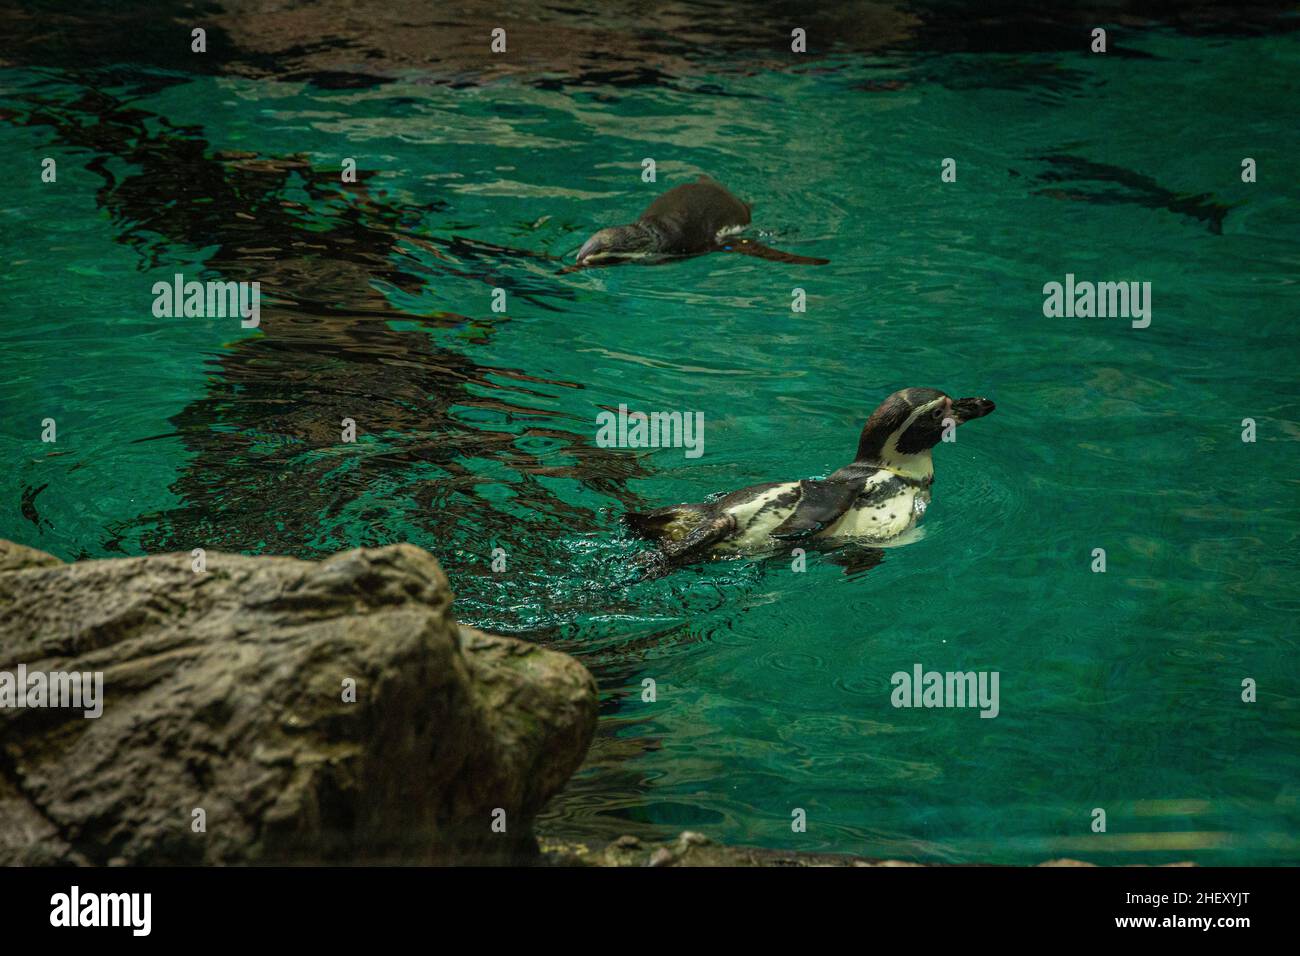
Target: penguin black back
689	219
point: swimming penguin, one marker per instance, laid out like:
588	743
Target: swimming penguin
687	220
875	499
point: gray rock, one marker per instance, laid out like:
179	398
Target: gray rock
16	557
223	691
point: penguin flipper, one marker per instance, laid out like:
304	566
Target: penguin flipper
855	559
820	504
748	247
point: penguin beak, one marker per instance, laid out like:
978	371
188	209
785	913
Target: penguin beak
590	247
614	243
602	243
964	409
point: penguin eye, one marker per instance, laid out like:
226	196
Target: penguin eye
937	413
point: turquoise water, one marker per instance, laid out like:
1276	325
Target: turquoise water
1119	691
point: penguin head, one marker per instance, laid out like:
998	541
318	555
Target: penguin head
902	430
617	242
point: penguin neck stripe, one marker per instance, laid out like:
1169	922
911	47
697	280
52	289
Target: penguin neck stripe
913	417
882	449
917	466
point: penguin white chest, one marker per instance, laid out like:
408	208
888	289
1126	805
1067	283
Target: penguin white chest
880	519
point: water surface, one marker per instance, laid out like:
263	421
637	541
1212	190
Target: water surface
477	429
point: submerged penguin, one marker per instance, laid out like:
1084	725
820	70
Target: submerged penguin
875	499
687	220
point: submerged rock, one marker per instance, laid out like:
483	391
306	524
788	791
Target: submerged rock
695	849
224	692
691	849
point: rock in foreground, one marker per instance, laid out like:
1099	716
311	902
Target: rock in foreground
223	691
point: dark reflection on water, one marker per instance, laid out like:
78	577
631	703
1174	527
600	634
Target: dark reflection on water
619	43
1081	180
268	471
